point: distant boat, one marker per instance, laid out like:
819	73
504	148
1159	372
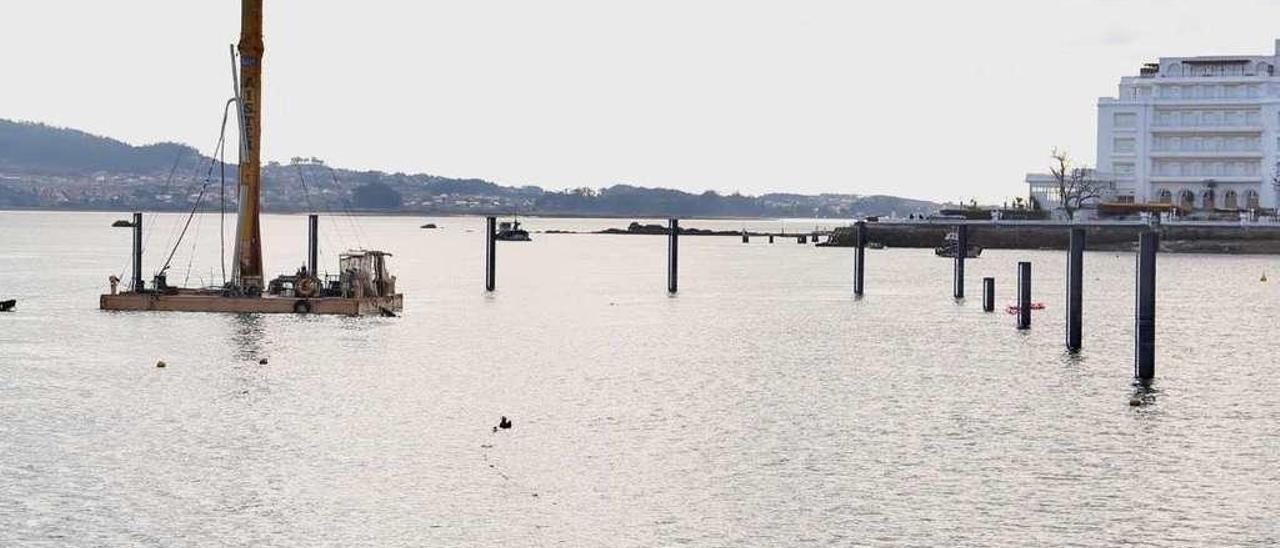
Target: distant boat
510	231
950	247
429	225
121	224
8	305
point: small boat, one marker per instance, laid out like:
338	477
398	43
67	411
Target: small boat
1013	308
510	231
121	224
8	305
429	226
951	245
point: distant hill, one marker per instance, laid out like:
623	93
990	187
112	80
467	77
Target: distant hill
49	167
39	148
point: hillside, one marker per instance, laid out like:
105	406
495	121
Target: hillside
48	167
37	148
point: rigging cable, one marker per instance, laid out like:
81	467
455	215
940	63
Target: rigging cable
222	196
195	239
355	227
174	238
168	181
222	139
306	193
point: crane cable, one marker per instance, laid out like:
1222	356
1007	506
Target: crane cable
218	150
306	193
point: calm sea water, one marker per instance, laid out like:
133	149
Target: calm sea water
763	406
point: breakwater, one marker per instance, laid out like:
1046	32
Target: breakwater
1174	238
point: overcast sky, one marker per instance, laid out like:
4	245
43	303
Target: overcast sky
938	100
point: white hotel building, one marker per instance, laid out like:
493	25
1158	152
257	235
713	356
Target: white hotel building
1200	132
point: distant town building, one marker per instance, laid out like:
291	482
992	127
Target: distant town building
1202	133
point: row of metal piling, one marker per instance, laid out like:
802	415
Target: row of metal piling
1144	306
1145	296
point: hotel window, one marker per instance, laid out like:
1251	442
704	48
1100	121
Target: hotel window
1126	120
1124	145
1124	168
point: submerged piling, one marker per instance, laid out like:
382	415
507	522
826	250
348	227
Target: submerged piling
490	253
1024	295
962	249
673	254
1075	288
859	256
988	294
137	252
313	244
1144	360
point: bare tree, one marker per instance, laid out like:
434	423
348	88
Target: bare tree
1076	185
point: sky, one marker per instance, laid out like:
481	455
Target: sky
938	100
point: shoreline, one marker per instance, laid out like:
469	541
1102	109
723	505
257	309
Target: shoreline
401	213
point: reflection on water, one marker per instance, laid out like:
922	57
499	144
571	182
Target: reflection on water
761	406
247	336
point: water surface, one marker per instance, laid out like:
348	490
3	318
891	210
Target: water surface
762	406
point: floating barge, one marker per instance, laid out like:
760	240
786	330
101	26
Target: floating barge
200	300
362	287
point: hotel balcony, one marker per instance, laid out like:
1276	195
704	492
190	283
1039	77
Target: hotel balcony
1206	154
1157	128
1200	179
